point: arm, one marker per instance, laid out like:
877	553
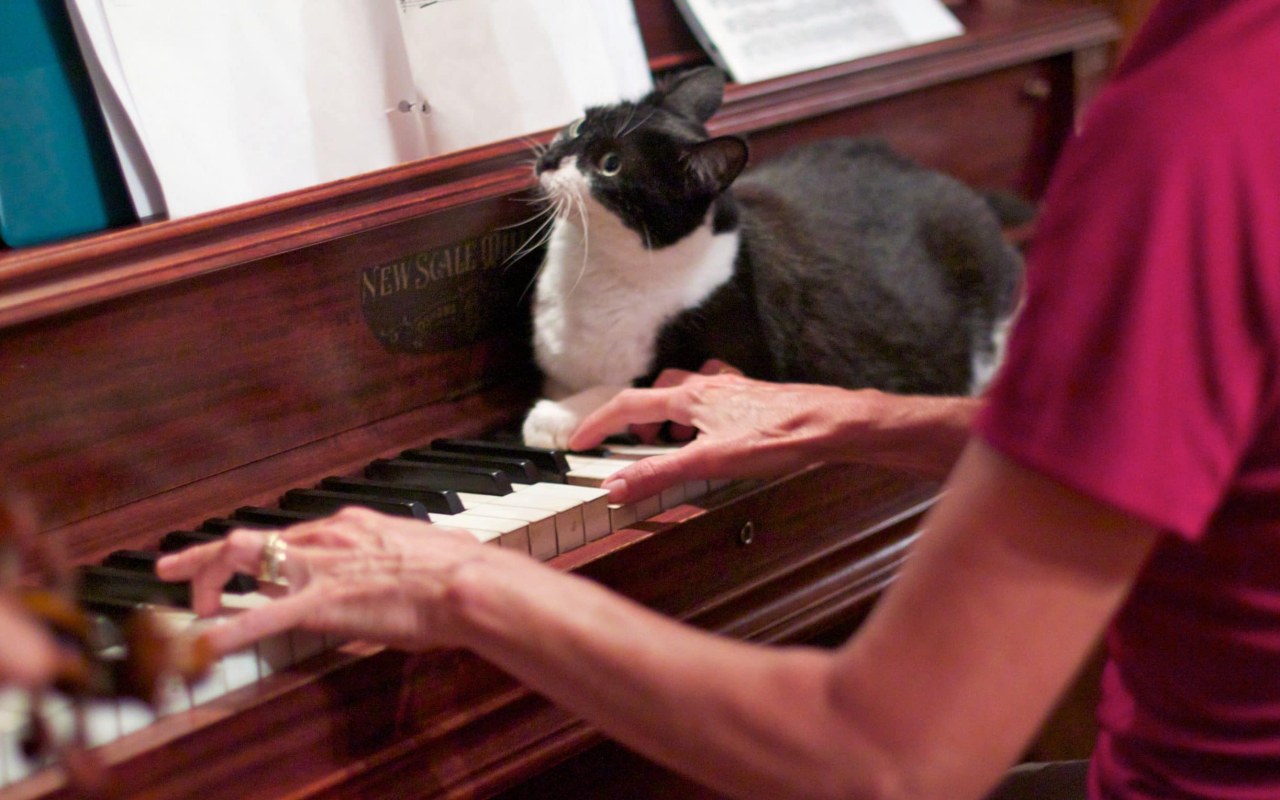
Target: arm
1003	597
749	428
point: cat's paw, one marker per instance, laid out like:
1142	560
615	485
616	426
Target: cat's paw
550	423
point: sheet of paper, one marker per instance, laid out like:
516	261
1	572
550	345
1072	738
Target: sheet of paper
241	99
495	69
754	40
99	51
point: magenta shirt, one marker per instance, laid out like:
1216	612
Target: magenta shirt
1143	372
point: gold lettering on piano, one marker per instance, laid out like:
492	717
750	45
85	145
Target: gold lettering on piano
450	296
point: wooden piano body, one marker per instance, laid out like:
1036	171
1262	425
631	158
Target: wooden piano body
154	376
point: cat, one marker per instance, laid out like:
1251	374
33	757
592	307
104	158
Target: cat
839	262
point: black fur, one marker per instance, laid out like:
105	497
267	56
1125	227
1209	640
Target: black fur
856	266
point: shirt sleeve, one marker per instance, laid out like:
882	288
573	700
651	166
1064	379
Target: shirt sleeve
1137	370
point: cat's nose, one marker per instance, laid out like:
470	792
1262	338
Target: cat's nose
547	162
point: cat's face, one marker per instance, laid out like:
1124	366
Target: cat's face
649	163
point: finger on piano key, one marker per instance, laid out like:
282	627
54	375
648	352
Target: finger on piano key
639	451
323	501
518	470
131	586
117	599
276	653
459	478
144	561
436	501
225	674
594	470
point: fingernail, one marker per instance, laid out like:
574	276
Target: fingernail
616	487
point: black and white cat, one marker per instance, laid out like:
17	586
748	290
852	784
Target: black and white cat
838	263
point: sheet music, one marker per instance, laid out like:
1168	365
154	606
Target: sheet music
237	100
495	69
754	40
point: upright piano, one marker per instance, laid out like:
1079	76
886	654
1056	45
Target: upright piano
155	376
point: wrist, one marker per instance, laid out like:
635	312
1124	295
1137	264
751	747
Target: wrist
919	433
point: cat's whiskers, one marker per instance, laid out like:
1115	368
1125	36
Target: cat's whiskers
537	238
627	131
581	203
621	131
536	147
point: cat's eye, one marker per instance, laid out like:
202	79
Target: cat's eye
611	164
576	128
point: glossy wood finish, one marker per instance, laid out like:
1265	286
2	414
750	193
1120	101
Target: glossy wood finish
154	376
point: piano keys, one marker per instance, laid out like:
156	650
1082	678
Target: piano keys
542	519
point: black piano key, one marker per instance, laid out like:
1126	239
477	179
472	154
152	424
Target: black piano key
436	501
173	541
224	525
131	586
546	460
519	470
136	560
113	609
325	501
477	480
144	561
272	517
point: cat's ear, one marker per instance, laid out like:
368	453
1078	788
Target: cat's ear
696	93
716	162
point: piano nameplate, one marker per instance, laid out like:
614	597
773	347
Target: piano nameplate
448	297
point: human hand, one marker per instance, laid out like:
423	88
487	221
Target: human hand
29	657
745	427
357	573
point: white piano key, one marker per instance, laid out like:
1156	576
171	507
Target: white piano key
541	522
622	516
101	721
211	686
172	696
647	507
567	516
593	470
14	705
594	504
509	533
638	451
672	496
274	654
134	715
60	715
270	655
571	529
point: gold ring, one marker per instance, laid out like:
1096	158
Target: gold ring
271	562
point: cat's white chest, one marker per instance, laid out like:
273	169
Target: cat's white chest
602	296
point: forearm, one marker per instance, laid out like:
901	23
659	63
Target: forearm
748	721
919	433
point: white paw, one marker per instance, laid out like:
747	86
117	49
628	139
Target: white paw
550	423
